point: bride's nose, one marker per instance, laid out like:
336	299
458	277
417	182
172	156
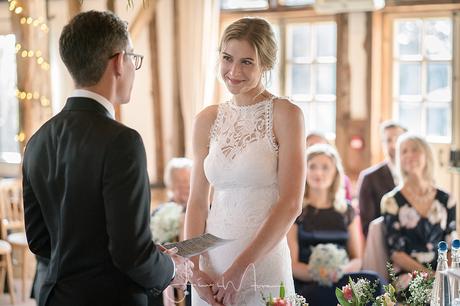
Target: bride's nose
235	69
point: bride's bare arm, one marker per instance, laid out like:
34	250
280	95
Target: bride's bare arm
198	203
288	126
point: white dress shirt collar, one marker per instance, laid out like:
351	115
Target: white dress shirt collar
100	99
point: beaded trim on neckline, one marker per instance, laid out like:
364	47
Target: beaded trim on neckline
233	104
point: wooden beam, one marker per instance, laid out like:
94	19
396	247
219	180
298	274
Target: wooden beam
74	7
143	19
343	89
157	110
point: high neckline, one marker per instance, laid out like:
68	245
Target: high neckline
233	104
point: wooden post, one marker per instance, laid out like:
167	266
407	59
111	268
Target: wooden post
29	23
157	118
74	7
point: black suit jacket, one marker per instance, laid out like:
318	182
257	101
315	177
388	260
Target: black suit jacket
86	206
373	183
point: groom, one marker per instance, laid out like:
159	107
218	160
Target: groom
86	189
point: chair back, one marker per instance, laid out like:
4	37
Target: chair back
376	252
11	207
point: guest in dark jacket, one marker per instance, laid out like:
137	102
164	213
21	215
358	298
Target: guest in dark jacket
379	179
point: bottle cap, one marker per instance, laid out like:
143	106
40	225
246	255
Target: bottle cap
442	246
456	244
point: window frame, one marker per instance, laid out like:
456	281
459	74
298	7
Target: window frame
388	100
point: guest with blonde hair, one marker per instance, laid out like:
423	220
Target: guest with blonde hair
327	217
417	214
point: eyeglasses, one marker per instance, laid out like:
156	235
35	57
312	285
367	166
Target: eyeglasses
137	58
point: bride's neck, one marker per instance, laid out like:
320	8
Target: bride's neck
255	95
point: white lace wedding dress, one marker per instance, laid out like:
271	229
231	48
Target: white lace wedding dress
242	168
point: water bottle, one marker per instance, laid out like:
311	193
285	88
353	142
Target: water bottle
441	294
454	281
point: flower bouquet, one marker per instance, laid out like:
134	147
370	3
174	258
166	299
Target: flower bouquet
165	222
416	290
326	263
282	300
357	293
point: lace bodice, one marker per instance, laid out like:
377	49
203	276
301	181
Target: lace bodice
238	126
242	143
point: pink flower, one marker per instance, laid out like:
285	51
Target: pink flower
347	292
280	302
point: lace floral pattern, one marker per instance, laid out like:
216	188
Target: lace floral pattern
239	126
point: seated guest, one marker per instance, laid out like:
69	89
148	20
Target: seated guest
167	222
327	217
379	179
417	214
319	138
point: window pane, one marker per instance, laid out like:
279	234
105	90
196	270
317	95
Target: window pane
300	36
325	117
326	39
296	2
300	79
438	121
438	38
438	82
9	108
325	79
408	37
244	4
409	79
410	115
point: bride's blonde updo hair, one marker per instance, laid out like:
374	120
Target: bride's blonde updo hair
336	191
259	34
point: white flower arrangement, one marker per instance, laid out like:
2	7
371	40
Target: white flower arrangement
165	223
326	263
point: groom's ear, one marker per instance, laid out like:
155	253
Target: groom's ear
117	63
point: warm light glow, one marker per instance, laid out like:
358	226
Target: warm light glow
23	20
30	53
21	137
36	22
40	60
29	20
36	95
29	96
18	47
22	96
38	53
18	10
24	53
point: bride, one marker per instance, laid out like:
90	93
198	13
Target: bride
251	150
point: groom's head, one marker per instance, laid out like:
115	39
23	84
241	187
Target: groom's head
90	42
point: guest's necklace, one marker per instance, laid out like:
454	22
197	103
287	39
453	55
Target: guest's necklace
421	197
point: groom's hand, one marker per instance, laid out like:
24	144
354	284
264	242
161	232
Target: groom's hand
183	269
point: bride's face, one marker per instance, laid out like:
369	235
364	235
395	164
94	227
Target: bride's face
239	66
321	172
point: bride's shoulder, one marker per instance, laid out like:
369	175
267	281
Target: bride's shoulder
284	107
206	117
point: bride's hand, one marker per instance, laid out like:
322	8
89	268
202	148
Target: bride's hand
228	286
203	284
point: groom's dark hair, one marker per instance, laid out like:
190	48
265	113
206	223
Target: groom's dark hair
87	43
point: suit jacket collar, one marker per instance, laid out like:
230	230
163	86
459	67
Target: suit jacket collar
86	104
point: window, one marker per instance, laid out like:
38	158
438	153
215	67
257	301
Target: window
311	72
9	108
422	75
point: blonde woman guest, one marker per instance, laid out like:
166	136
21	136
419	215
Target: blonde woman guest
251	150
417	214
327	217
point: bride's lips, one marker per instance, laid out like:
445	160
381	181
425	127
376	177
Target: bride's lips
234	82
